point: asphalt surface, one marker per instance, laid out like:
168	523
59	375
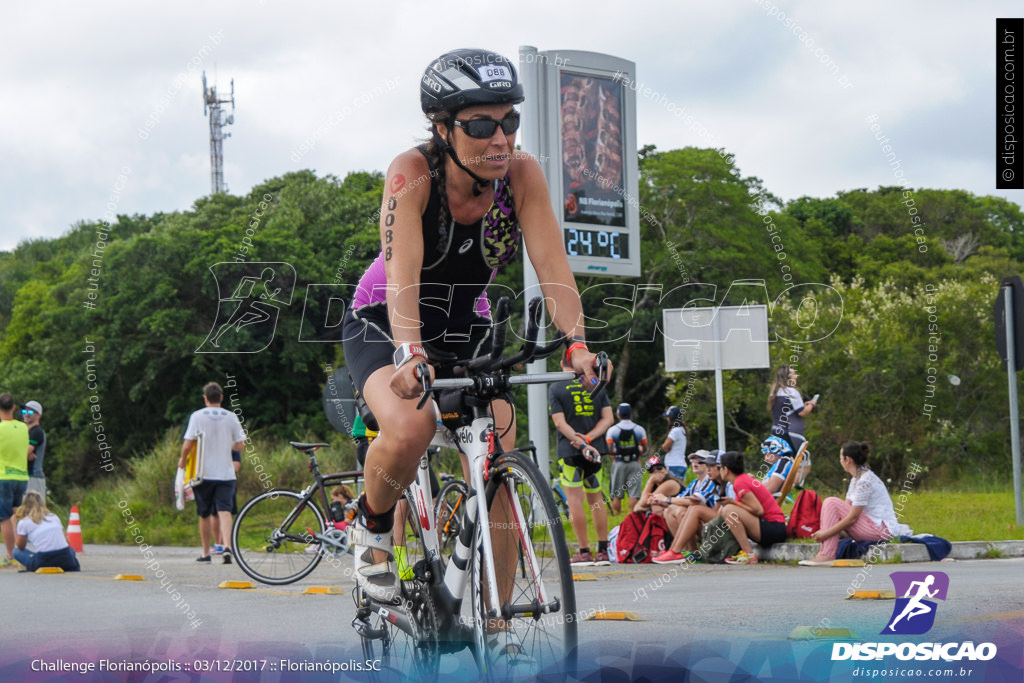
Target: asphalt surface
724	609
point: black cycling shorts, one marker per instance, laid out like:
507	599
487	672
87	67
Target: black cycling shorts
369	346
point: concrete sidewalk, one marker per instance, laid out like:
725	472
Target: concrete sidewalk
899	552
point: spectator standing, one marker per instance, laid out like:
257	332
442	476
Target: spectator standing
13	472
627	442
215	496
674	445
788	407
44	530
32	413
581	421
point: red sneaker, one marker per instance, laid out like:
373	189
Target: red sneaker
670	557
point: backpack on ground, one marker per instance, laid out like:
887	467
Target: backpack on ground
626	446
641	537
717	542
805	518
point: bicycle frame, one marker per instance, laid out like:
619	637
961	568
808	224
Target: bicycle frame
478	443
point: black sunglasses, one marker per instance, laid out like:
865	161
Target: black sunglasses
481	129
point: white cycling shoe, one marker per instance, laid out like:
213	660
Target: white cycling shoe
378	580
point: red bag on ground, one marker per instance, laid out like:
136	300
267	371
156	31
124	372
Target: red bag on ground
641	537
805	518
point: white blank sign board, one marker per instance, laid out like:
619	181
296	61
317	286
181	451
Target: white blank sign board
691	335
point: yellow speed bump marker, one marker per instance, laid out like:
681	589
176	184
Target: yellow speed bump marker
848	563
584	577
872	595
602	615
129	577
816	633
49	570
235	584
323	590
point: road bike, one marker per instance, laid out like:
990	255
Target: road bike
509	547
280	535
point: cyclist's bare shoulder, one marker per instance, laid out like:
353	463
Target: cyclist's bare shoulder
408	177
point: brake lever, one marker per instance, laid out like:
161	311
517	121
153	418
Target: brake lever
423	374
601	365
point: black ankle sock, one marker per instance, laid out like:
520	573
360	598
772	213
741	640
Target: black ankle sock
602	546
372	521
584	550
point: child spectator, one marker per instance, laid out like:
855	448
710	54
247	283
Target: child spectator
343	506
752	514
867	513
43	529
777	453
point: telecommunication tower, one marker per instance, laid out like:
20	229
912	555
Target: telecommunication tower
217	134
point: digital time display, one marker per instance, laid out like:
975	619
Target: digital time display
600	243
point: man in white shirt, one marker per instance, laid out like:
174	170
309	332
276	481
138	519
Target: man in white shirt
222	433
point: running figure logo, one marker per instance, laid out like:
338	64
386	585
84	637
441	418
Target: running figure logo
914	613
249	296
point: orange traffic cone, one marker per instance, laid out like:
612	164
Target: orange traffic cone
75	531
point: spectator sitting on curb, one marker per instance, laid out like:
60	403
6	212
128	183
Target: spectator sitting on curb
43	529
660	482
627	442
867	513
752	514
692	519
700	491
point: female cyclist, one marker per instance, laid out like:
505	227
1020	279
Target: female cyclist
452	213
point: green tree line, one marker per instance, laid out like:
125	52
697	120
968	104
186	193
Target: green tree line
106	337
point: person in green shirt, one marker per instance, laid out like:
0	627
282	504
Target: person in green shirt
13	472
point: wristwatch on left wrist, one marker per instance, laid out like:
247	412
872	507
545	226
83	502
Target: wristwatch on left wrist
406	352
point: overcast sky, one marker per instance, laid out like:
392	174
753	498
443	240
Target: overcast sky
80	80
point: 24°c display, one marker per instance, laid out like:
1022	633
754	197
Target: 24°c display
603	243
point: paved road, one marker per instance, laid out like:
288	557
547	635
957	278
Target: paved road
717	614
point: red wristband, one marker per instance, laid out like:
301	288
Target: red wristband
573	347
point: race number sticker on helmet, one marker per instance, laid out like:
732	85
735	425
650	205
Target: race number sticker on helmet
495	72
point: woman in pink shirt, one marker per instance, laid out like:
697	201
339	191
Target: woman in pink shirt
751	513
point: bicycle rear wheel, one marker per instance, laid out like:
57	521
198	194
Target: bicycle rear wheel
534	628
273	537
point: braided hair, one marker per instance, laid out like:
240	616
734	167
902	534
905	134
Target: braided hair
436	159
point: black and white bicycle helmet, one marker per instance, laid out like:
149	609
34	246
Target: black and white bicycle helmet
467	77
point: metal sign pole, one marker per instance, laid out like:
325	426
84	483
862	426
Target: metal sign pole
1011	365
719	389
536	394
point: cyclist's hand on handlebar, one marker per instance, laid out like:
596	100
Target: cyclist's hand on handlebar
587	366
405	382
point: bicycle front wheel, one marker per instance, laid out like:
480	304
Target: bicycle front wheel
274	537
534	628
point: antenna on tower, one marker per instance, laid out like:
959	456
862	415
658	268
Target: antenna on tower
217	135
